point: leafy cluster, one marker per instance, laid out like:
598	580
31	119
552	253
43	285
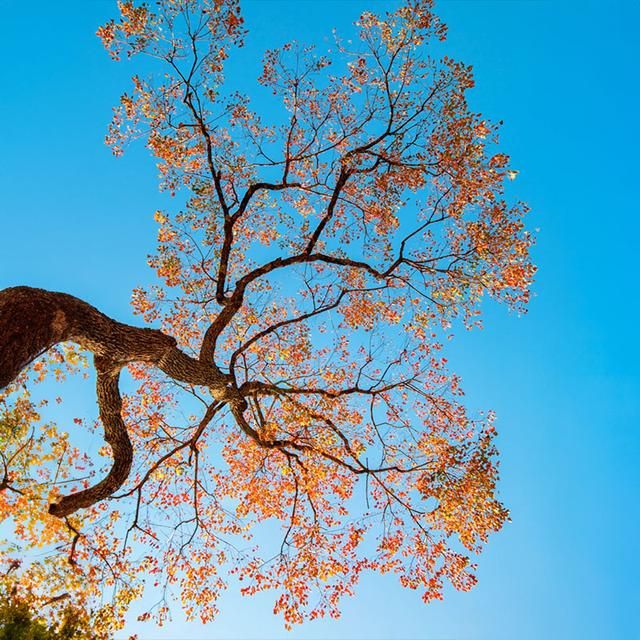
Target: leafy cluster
21	620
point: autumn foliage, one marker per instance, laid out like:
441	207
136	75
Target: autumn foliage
21	620
317	259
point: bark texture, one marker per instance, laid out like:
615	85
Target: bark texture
34	320
115	433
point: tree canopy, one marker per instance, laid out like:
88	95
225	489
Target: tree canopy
315	260
21	620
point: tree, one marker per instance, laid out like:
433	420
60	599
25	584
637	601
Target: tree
21	617
307	279
18	621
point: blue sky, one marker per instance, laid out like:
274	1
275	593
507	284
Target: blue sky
564	380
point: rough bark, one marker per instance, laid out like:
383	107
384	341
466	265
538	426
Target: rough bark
115	433
34	320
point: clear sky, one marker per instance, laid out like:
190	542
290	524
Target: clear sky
564	380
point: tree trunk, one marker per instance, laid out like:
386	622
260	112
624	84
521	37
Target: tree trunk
34	320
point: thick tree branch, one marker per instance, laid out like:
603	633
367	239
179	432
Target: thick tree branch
34	320
115	433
